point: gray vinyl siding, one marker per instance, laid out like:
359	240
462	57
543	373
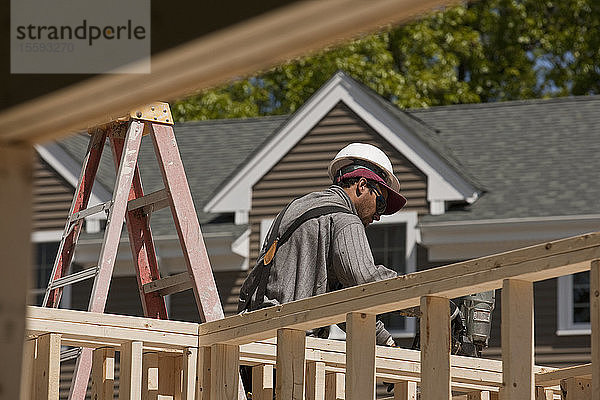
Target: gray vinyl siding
52	197
304	169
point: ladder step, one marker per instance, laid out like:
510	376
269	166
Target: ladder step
69	354
150	202
90	211
73	278
169	285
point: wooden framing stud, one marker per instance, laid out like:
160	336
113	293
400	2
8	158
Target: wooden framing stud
130	379
517	340
479	395
360	356
335	386
103	373
595	317
15	246
262	382
435	348
224	371
315	380
406	390
28	370
150	376
576	389
168	369
47	367
203	374
189	369
542	393
290	364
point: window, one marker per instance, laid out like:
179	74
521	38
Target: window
45	254
388	244
574	304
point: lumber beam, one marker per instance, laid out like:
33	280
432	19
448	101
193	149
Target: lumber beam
542	393
517	340
360	356
130	378
335	386
262	382
241	49
224	373
290	364
189	366
16	180
103	373
203	374
534	263
315	380
47	367
595	317
405	390
435	348
150	375
576	389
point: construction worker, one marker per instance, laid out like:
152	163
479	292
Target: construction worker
318	243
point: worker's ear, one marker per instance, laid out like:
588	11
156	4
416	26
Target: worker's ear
361	187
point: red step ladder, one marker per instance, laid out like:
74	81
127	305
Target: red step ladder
129	203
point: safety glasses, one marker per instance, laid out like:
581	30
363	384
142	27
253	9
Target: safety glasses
380	201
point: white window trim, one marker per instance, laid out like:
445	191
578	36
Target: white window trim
566	326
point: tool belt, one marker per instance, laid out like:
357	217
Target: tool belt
274	242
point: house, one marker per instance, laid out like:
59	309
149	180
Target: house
480	179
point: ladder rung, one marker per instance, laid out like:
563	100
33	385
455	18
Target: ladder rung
150	202
90	211
69	354
74	278
169	285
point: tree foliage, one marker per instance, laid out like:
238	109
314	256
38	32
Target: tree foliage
490	50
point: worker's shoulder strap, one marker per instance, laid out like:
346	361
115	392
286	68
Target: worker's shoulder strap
274	241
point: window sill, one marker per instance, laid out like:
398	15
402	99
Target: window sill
574	332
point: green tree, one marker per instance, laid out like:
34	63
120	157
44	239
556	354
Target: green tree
490	50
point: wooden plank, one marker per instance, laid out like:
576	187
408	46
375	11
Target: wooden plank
103	373
15	247
189	366
315	381
554	377
262	382
130	379
479	395
405	390
150	375
28	370
170	284
167	379
47	367
360	356
224	374
517	339
203	381
335	386
435	348
576	389
595	317
290	364
239	50
534	263
542	393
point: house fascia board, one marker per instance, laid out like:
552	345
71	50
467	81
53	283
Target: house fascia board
70	170
444	183
460	240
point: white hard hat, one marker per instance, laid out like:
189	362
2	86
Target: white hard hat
369	158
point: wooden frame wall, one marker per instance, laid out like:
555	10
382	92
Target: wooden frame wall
222	345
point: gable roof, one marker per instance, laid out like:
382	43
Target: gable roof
446	182
536	158
210	150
